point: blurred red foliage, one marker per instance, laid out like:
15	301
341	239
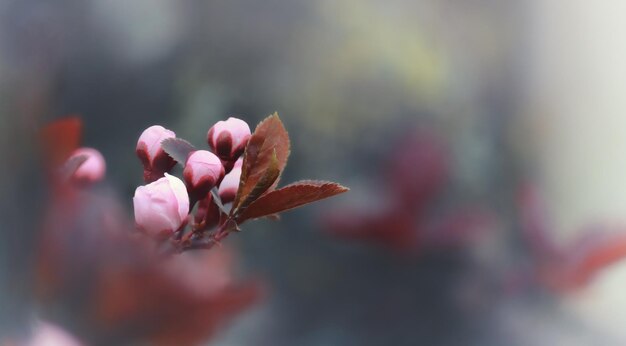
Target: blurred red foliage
564	268
116	286
416	173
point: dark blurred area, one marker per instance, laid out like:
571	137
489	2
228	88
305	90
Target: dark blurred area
481	141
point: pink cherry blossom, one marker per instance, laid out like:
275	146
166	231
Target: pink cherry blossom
93	169
228	139
161	207
155	161
230	184
203	171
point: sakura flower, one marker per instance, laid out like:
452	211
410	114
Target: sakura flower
161	207
230	184
228	139
203	171
155	160
92	170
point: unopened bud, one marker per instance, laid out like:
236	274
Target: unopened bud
228	139
230	184
156	162
203	171
92	170
161	207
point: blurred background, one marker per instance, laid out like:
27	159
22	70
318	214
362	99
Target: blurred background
506	120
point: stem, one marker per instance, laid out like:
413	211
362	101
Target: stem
192	203
206	243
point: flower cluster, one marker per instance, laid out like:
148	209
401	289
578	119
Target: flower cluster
241	170
163	205
135	294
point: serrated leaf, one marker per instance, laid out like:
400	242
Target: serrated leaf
269	136
179	149
60	138
290	197
273	217
218	202
266	181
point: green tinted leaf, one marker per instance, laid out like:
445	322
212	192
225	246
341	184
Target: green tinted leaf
178	149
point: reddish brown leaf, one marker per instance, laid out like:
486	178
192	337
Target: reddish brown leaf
267	180
59	139
269	136
290	197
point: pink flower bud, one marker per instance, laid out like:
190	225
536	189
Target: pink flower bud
203	171
161	207
92	170
155	161
228	139
230	184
